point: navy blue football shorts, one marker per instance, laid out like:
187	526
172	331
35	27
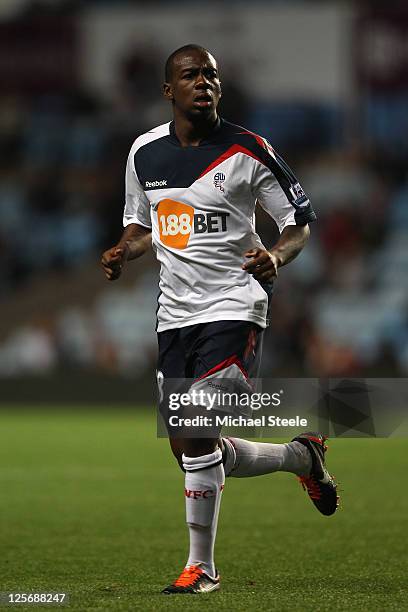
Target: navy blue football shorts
210	361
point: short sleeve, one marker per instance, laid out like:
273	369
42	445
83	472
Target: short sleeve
279	192
137	205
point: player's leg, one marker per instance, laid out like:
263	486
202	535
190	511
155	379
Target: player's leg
202	489
244	458
239	361
201	460
304	456
204	482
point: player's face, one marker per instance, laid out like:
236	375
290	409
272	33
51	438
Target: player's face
195	88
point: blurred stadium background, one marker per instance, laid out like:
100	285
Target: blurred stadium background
326	83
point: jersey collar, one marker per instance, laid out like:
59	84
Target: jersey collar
211	138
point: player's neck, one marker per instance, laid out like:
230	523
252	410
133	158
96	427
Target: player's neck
190	132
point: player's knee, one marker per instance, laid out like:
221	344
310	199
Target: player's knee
197	447
192	448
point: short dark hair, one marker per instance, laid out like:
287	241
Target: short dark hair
168	70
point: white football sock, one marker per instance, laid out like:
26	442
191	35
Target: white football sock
243	458
204	483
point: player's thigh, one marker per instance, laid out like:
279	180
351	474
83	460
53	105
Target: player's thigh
223	344
171	370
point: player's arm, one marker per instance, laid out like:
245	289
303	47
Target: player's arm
135	241
136	238
279	193
264	264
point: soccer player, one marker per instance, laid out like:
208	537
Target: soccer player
191	189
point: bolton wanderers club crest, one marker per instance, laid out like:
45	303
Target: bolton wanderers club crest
219	178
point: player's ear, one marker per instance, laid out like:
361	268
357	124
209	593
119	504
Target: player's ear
167	91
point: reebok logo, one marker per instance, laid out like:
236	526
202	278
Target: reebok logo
155	183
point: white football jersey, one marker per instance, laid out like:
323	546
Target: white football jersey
200	205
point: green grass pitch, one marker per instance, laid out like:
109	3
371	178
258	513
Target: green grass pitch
92	504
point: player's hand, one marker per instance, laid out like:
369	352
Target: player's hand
263	265
113	261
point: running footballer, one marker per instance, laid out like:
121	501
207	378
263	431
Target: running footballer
191	189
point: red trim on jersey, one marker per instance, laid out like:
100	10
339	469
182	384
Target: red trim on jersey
229	153
225	364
